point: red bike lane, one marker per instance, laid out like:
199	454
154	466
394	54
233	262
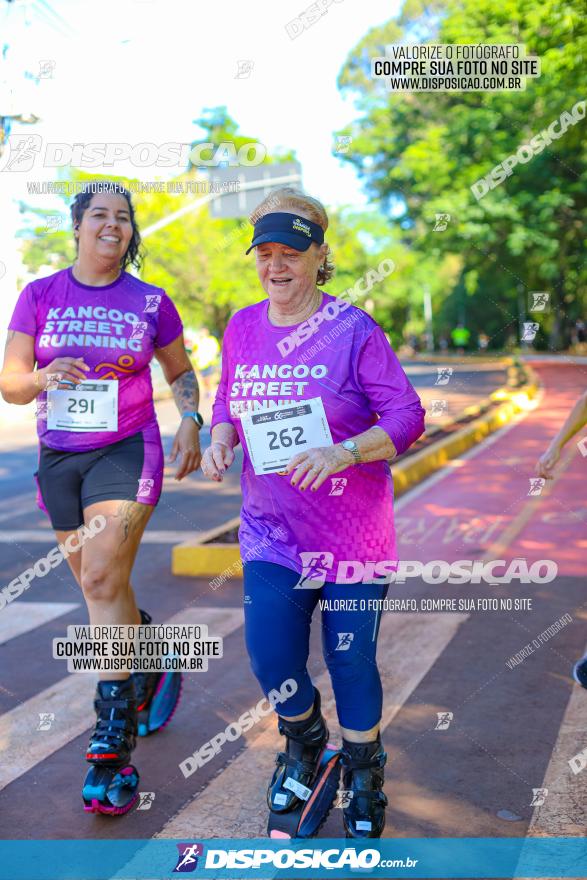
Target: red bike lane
487	504
506	708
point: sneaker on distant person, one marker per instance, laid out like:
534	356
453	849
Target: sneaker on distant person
580	672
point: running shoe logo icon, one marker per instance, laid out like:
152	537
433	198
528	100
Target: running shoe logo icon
441	222
188	857
46	719
146	799
539	301
152	302
21	153
531	328
42	409
338	485
244	68
444	374
444	719
138	329
343	143
315	567
536	485
344	641
438	407
538	796
145	487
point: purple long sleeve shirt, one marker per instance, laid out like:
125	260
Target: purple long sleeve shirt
345	529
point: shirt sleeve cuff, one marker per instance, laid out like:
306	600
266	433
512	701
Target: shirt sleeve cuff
219	416
399	433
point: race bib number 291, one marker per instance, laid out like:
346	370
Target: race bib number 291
274	436
90	406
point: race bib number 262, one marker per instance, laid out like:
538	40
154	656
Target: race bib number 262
274	436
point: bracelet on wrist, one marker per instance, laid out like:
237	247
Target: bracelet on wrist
197	418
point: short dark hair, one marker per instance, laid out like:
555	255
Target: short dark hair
134	253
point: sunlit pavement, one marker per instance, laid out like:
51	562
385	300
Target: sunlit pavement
511	728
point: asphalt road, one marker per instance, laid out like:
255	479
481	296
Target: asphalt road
514	728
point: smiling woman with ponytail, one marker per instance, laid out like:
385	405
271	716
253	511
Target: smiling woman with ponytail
80	343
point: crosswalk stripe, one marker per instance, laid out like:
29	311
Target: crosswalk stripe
47	536
21	617
18	505
234	801
22	746
563	813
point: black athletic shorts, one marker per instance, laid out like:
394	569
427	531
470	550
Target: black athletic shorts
128	470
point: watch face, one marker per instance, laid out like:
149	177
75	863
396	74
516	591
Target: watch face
348	444
196	417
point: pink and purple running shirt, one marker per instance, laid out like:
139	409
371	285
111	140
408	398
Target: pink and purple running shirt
116	329
343	532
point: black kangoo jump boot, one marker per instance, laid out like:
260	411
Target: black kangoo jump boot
363	777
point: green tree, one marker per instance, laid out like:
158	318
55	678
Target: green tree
420	153
220	128
200	260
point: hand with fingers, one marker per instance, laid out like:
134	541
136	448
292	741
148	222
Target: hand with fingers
216	460
186	445
547	462
61	373
313	467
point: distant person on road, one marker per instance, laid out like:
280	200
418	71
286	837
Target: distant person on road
483	341
579	333
576	420
317	492
207	357
460	336
79	343
414	342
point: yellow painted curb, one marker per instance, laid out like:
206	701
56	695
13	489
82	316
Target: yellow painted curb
205	557
207	560
216	560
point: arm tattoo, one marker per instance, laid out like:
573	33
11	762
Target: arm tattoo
186	392
133	516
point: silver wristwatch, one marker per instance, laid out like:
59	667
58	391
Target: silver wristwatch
352	447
